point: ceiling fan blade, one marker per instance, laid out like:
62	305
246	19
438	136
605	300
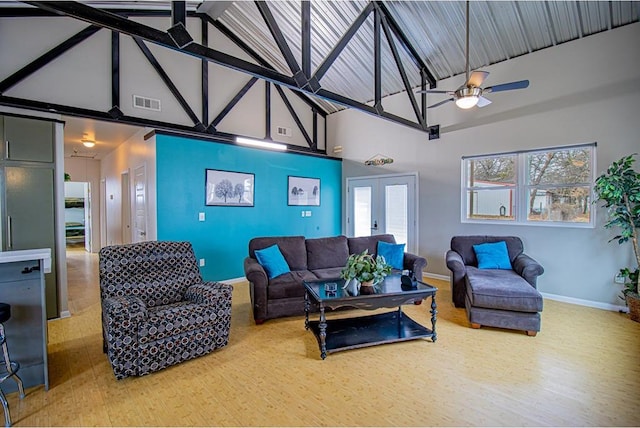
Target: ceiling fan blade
520	84
477	78
440	103
482	101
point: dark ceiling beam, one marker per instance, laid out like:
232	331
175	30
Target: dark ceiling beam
306	37
253	54
281	41
47	57
205	73
342	43
295	117
114	22
169	83
403	73
179	13
405	41
377	61
135	29
115	69
231	104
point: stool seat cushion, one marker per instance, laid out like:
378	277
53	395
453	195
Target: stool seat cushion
501	289
5	312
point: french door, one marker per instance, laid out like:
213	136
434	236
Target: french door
383	204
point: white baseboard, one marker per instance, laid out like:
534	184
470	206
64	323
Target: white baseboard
234	280
435	276
65	314
588	303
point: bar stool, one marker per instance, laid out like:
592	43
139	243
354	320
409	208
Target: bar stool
11	367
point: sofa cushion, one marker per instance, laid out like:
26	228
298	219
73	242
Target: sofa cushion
370	243
393	254
492	255
289	284
272	261
327	252
501	289
292	248
328	273
463	245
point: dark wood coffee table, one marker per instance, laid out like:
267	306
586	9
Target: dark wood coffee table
357	332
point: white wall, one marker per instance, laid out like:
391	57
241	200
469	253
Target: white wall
581	91
126	158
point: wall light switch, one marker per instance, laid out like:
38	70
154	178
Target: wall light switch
302	214
201	262
308	213
200	216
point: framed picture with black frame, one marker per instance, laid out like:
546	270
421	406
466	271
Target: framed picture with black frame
229	188
303	191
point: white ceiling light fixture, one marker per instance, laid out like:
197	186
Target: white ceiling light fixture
86	141
260	143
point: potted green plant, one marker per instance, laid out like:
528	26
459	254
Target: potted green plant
619	189
365	269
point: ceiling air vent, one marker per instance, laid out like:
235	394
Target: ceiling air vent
146	103
282	131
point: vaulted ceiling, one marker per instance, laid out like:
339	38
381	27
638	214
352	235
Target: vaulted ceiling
354	53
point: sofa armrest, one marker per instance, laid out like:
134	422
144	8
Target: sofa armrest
527	268
258	282
414	263
458	269
455	263
209	293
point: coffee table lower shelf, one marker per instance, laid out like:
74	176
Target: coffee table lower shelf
351	333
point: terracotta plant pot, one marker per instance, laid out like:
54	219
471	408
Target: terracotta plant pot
633	302
367	288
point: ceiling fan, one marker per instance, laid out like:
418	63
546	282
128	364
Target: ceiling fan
471	93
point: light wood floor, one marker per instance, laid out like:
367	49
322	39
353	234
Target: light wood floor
583	369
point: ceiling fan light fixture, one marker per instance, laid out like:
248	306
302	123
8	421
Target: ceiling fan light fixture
88	143
467	102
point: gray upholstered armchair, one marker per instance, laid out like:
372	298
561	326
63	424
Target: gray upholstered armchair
505	298
156	309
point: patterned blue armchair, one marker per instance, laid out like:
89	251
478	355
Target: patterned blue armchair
156	309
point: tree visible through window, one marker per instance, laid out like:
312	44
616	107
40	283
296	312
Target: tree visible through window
546	186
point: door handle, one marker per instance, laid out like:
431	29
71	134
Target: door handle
9	237
143	233
6	149
375	225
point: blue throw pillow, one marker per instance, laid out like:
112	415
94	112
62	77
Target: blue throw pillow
393	254
492	255
272	261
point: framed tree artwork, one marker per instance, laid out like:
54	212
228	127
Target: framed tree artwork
229	188
303	191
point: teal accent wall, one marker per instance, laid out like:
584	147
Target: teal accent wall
223	238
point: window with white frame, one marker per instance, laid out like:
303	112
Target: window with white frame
548	187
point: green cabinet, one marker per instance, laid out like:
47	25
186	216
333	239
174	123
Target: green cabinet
27	192
26	139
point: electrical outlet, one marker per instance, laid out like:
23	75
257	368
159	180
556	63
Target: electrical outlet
308	213
201	262
618	279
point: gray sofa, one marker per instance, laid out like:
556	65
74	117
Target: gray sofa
309	260
496	297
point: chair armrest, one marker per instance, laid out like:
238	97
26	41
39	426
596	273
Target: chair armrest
414	263
527	268
209	293
258	282
130	308
455	263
